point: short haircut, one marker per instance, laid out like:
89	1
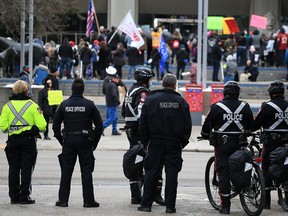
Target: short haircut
169	81
20	87
78	86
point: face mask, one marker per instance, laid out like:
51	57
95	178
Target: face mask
149	84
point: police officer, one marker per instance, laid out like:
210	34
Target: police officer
272	118
22	119
77	113
131	111
165	128
230	119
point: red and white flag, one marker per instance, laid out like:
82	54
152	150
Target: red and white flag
128	26
90	18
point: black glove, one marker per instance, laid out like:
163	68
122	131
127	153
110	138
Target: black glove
59	137
35	130
184	143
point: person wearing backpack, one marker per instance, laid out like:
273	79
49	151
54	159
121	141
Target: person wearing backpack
228	121
272	118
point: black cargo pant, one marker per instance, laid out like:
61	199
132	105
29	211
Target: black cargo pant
222	154
74	146
167	153
21	153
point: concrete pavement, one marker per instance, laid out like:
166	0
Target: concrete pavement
118	143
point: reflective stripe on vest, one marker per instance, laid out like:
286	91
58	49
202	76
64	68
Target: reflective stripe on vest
278	122
18	116
134	117
228	111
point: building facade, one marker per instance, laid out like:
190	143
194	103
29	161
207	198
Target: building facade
111	12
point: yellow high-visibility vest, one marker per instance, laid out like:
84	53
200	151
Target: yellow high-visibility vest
20	115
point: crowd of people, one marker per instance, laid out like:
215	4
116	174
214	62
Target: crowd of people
91	56
249	50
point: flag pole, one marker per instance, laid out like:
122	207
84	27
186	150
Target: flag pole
96	19
118	26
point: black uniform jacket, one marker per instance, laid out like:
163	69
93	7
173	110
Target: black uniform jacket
77	113
268	115
235	121
166	116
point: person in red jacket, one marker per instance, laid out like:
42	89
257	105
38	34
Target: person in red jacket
282	42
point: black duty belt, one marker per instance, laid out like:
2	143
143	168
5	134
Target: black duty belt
78	133
276	136
224	138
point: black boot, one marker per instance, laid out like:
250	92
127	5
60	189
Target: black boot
158	198
225	205
135	193
267	204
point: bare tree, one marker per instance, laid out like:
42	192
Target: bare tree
49	15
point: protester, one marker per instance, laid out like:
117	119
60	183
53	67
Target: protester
216	56
230	69
85	57
95	57
118	58
66	54
182	58
133	59
193	71
103	62
155	61
112	102
282	45
43	103
254	58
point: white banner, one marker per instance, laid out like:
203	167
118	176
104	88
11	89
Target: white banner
128	26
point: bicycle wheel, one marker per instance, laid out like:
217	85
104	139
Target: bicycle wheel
211	184
253	197
282	189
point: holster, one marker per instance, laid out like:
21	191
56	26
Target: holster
93	138
212	139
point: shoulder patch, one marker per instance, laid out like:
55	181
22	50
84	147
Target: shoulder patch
143	96
39	110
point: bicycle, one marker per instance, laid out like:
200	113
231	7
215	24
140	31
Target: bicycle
252	198
281	187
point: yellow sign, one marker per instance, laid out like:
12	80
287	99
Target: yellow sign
55	97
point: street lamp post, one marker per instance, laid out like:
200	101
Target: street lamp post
22	54
31	5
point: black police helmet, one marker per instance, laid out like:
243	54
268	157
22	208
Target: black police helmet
276	88
143	74
232	89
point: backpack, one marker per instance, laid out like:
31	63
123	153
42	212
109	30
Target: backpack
133	161
240	168
278	169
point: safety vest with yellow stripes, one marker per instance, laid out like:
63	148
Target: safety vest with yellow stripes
20	115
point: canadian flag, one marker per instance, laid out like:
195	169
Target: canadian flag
128	26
